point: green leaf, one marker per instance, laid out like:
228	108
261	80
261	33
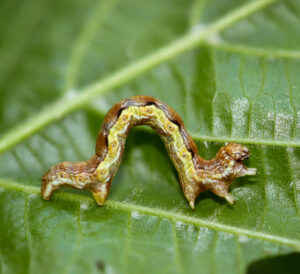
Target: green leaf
230	70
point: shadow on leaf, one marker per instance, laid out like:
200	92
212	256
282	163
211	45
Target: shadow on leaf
288	264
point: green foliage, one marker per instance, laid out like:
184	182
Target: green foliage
238	85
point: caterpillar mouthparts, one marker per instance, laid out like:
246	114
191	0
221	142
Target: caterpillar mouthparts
196	174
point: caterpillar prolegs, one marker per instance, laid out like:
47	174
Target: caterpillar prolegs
195	173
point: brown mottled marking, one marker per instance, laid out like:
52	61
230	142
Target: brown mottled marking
196	174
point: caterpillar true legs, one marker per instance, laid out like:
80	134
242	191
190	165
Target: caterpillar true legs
196	174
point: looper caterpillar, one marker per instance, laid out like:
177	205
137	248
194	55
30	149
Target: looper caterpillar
195	173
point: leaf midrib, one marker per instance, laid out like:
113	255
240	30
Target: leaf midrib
75	101
173	216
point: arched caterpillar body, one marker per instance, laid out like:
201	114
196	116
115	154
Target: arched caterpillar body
195	173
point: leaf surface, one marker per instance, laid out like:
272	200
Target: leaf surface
229	82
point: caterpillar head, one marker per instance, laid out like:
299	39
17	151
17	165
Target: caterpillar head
233	155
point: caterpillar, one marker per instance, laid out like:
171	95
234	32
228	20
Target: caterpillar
195	173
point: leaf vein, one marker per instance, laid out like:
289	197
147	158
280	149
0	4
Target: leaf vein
220	139
291	102
127	243
253	51
177	251
28	233
76	244
239	258
289	162
171	215
189	41
81	45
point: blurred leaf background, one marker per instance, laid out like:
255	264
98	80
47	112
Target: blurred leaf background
231	70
